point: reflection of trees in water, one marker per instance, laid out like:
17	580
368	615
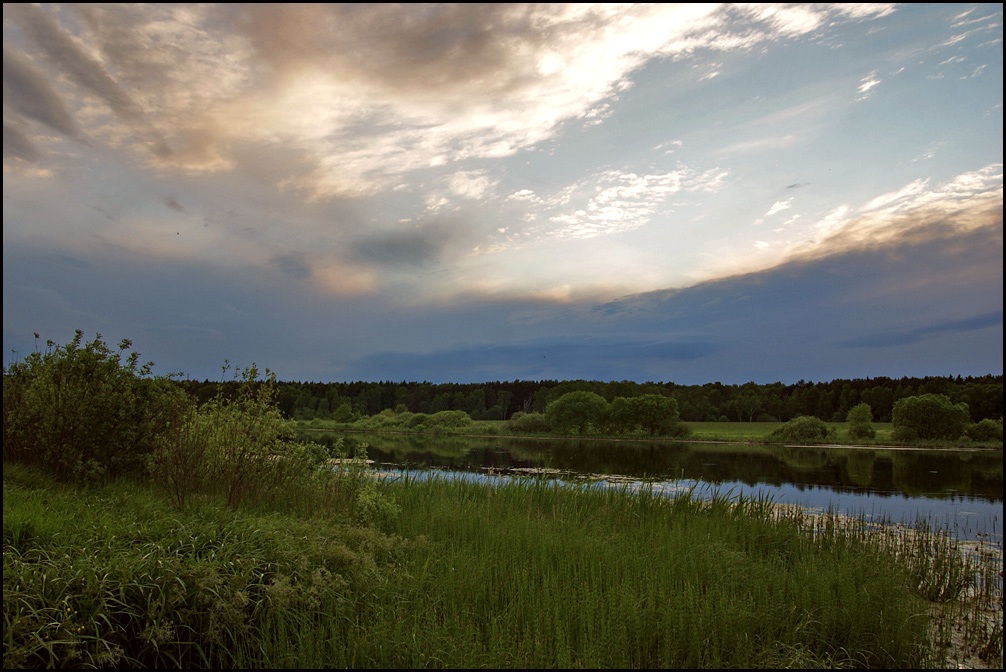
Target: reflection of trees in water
912	473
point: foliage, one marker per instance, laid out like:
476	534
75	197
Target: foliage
860	419
804	428
576	412
528	423
929	416
110	578
83	411
523	575
986	430
448	420
653	413
499	400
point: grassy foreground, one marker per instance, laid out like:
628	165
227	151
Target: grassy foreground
466	575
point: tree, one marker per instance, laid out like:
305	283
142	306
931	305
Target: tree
653	413
929	416
860	419
576	411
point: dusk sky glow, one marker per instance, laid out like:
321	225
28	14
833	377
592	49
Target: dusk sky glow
686	193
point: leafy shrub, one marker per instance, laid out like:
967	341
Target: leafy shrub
83	411
528	423
860	419
986	430
418	419
448	420
929	416
804	428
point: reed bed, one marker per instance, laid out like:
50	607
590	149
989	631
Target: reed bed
469	575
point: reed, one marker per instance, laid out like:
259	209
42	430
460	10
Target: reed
525	573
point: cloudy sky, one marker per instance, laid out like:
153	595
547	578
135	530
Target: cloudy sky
686	193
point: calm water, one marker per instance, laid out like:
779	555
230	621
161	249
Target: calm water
961	491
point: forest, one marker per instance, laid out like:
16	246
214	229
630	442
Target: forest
711	402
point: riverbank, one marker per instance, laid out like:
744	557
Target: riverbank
758	433
453	575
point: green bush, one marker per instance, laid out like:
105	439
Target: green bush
860	419
986	430
929	416
448	420
804	428
83	411
528	423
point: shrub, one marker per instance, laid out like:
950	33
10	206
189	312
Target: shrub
986	430
83	411
805	428
448	420
528	423
860	419
929	416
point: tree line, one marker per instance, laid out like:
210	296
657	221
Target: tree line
710	402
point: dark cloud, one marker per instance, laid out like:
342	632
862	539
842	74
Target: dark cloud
292	265
68	57
585	358
173	203
416	247
27	91
916	334
446	46
814	320
17	144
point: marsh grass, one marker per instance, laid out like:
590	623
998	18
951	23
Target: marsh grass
525	574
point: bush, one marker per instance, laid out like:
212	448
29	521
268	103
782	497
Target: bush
804	428
929	416
448	420
986	430
528	423
83	411
860	419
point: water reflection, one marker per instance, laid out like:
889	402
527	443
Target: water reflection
961	491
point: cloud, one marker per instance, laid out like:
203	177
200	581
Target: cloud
63	52
779	206
193	82
27	91
417	247
17	144
866	86
173	203
916	334
294	266
967	202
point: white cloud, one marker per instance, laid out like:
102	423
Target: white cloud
779	206
866	85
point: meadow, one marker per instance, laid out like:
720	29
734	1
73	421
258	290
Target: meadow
143	529
452	575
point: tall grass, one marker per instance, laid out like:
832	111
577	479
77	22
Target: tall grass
526	574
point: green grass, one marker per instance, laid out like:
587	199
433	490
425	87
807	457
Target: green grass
738	432
466	575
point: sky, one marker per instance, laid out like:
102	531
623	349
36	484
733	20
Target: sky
685	193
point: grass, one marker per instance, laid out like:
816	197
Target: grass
527	574
730	432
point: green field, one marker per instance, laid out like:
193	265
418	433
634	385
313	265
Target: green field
451	575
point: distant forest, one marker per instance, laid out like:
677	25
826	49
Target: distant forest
750	402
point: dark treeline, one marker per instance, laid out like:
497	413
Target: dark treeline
750	402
